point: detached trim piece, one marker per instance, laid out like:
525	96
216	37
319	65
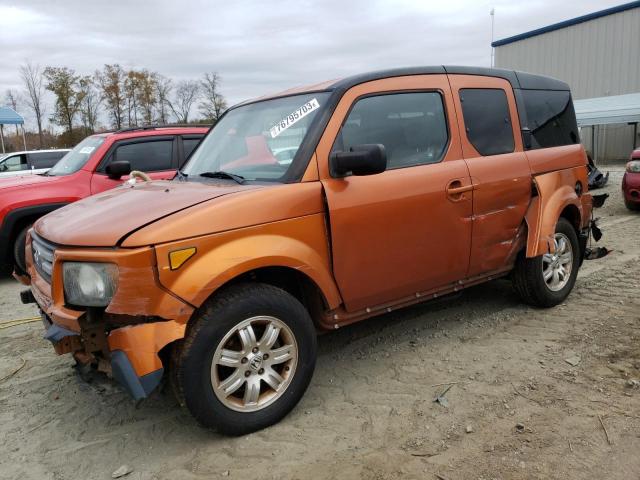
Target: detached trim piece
123	372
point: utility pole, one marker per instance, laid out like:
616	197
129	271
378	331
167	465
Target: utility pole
493	21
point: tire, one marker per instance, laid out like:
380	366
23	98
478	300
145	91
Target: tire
528	278
632	205
18	250
222	322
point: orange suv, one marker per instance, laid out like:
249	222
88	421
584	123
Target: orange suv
398	187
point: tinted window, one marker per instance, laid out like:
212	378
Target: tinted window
189	144
487	120
551	118
147	156
45	159
411	126
14	163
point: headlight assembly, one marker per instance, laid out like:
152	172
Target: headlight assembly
89	284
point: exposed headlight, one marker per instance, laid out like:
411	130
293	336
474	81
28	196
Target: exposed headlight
89	284
633	166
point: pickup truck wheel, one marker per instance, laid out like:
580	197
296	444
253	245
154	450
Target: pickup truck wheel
247	358
547	280
18	249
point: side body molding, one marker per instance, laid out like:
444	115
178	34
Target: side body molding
556	191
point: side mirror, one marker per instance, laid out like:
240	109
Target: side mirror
367	159
117	169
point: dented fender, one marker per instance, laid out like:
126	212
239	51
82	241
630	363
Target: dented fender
555	192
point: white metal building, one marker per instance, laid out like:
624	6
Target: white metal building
598	55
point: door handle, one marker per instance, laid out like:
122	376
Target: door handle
456	190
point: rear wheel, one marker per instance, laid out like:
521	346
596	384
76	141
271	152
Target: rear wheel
247	359
547	280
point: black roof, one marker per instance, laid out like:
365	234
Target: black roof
523	80
518	80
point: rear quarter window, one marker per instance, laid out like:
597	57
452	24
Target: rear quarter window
550	118
487	120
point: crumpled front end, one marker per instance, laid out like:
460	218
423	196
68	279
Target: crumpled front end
122	339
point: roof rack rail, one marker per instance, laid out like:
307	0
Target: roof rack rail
152	127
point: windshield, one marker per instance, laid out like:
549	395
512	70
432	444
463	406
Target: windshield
257	141
76	158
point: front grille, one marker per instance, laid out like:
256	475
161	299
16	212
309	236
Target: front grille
42	252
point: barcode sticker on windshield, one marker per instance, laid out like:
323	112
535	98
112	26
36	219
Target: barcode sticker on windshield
87	150
292	118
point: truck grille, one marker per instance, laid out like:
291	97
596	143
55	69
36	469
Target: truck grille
42	252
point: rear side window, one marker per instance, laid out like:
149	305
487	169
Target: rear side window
487	120
45	159
551	118
411	126
189	144
148	156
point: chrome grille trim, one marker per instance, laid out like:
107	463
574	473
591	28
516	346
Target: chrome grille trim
42	253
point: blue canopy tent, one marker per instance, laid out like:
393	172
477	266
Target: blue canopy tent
8	116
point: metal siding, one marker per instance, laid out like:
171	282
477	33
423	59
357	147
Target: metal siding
584	55
597	58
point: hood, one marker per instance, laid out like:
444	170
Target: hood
104	219
26	180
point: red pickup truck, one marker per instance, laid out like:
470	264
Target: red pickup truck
98	163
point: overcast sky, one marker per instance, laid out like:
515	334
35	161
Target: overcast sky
260	47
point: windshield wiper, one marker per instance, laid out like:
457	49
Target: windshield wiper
220	174
182	177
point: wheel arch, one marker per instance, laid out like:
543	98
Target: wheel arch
16	220
555	198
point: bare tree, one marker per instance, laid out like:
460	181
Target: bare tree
33	80
186	94
13	100
111	81
213	103
163	91
90	103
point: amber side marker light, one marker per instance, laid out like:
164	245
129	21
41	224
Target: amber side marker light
178	257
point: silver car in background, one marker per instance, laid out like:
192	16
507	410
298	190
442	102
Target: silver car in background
29	162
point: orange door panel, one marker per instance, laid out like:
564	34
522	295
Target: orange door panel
502	184
405	230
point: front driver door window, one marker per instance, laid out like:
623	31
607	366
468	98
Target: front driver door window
14	163
154	156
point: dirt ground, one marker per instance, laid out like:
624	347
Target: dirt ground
518	409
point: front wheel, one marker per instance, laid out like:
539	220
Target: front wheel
18	250
547	280
247	358
633	206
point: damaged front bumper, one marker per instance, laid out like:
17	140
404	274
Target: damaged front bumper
132	358
124	339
